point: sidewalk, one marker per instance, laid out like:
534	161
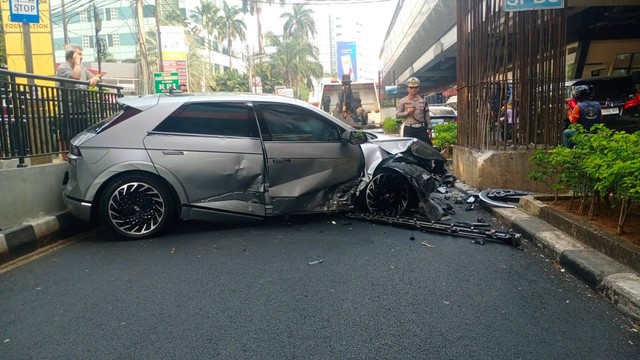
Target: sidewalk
619	283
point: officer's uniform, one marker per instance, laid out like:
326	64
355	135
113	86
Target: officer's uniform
417	124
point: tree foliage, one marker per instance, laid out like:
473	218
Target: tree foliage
603	164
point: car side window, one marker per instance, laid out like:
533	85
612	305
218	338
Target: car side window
290	123
211	119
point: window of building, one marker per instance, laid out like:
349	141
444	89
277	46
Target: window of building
211	119
113	39
626	63
84	16
111	14
290	123
86	42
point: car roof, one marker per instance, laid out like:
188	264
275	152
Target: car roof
144	102
594	79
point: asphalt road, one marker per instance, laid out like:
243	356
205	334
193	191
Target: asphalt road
259	292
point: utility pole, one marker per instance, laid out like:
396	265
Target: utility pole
98	25
64	23
144	63
160	64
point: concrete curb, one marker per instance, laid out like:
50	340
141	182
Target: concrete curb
617	282
21	240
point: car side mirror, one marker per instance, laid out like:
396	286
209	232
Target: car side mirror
354	137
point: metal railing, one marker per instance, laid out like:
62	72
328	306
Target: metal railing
41	114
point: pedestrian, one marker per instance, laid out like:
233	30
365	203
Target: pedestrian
183	87
414	111
586	113
74	95
510	115
73	69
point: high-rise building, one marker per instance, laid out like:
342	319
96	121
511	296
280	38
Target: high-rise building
333	25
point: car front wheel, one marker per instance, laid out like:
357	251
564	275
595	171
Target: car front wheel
388	194
137	206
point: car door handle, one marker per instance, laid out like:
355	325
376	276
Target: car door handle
281	160
172	152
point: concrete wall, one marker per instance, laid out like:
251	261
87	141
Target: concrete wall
31	192
495	169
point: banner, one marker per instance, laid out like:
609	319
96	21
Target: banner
347	59
174	52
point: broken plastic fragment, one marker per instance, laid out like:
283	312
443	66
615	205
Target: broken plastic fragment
471	199
315	262
427	244
470	207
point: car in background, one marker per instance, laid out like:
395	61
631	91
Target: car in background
240	157
618	98
441	114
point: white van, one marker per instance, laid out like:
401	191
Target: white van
366	91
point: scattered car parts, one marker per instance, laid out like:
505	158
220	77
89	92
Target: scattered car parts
502	197
480	234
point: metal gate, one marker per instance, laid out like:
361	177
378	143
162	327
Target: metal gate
503	57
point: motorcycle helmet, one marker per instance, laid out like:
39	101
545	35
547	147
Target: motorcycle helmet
581	92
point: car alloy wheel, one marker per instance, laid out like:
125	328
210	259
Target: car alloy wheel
137	207
388	194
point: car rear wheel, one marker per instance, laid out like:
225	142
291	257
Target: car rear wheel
388	194
137	206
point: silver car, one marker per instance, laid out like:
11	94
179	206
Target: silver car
238	157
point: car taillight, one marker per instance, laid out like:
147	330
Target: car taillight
631	103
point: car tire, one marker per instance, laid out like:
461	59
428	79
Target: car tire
389	193
137	206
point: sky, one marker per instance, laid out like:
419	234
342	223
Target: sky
374	14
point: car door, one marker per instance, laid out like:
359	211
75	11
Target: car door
306	159
213	150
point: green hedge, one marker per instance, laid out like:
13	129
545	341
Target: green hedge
603	164
391	125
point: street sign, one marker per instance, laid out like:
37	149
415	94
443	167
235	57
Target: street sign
521	5
165	82
24	11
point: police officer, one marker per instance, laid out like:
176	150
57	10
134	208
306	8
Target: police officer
586	113
415	113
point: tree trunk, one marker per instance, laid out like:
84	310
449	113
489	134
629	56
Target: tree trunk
260	37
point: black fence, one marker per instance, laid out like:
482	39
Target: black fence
40	114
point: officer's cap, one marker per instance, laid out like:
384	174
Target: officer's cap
413	82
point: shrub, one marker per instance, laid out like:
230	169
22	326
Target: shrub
445	135
603	164
391	126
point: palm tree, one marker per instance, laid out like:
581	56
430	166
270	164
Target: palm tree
295	60
231	28
255	7
299	23
207	16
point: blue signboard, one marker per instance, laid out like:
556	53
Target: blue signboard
520	5
24	11
347	59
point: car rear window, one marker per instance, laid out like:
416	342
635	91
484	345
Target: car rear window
113	120
442	111
614	88
211	119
